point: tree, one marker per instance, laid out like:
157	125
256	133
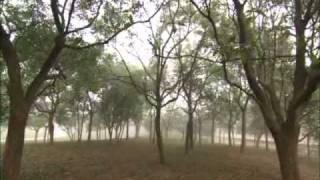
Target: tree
36	122
161	86
281	120
24	18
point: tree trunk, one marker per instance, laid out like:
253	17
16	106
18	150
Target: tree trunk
258	140
127	130
137	124
212	130
158	134
51	127
308	146
230	129
110	134
287	150
90	125
243	131
229	136
36	135
167	132
14	143
220	139
105	134
151	130
267	139
200	131
189	133
45	134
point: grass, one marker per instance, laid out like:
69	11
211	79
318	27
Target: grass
138	160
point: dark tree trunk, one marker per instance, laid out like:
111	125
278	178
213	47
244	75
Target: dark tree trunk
287	150
90	125
127	130
14	143
158	134
183	134
189	133
51	127
200	131
243	131
110	134
230	128
229	136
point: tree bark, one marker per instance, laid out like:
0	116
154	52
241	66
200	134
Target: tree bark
258	140
137	124
243	131
308	146
212	130
127	130
51	128
90	125
189	133
36	135
229	134
266	138
287	150
200	131
45	134
14	143
158	134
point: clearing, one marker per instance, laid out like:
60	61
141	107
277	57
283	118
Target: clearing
138	160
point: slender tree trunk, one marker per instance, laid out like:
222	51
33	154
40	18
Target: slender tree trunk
200	131
212	130
105	133
229	136
266	138
243	131
14	143
158	134
127	130
97	133
110	134
230	128
51	127
308	146
167	132
189	133
90	125
137	124
36	135
151	130
45	134
183	134
220	138
258	140
233	138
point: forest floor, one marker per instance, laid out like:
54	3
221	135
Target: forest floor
138	160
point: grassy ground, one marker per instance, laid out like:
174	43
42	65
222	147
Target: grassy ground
138	160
